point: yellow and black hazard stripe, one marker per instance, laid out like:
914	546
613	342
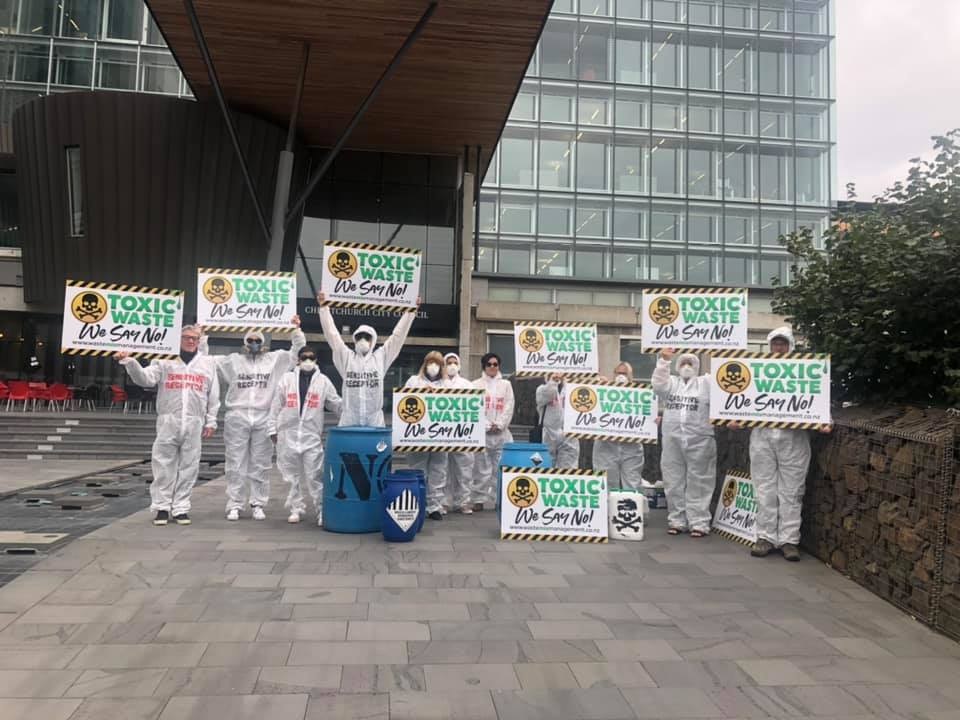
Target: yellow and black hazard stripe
743	475
722	354
439	391
120	287
778	425
366	305
570	377
553	471
730	536
538	537
596	381
435	448
246	328
611	438
246	273
552	324
106	353
372	246
695	291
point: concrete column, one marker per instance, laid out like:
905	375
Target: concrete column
281	199
466	269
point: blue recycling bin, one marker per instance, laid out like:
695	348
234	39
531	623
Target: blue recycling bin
402	509
527	455
356	463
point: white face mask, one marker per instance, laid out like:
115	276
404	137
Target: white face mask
453	370
621	379
687	372
308	365
362	346
433	370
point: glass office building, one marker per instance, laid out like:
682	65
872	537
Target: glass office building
665	141
67	45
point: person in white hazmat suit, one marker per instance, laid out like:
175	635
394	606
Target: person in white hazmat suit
188	399
622	461
251	377
461	465
296	426
433	464
778	467
364	367
498	408
550	397
688	458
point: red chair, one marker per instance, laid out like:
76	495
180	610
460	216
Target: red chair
59	396
19	392
39	392
118	396
4	391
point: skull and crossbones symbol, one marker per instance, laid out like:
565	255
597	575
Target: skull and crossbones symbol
523	492
530	341
410	410
217	291
664	312
583	400
627	516
733	379
343	265
89	309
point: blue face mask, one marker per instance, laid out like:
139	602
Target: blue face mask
254	347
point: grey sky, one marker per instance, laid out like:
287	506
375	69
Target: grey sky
897	83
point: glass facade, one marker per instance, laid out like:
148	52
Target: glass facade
665	140
63	45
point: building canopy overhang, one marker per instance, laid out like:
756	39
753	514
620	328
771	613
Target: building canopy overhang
453	88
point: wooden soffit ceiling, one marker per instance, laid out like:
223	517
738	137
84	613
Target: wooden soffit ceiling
454	87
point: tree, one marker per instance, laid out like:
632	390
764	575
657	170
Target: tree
884	299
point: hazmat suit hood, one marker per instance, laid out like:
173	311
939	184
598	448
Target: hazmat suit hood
366	329
691	359
782	332
254	334
446	358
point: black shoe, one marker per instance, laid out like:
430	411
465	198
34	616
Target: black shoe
162	518
435	515
478	507
182	519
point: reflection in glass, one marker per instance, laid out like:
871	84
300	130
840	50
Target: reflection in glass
73	65
667	223
593	45
555	164
739	227
556	50
553	261
81	19
738	64
667	60
516	163
704	59
591	264
666	167
123	19
554	218
740	171
593	220
663	267
117	68
703	167
556	108
158	72
591	165
627	266
776	173
631	55
630	162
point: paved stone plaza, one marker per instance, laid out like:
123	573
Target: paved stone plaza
272	621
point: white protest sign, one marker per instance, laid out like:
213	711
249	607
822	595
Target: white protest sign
553	504
104	318
610	411
542	348
736	513
235	300
694	318
438	420
370	276
786	390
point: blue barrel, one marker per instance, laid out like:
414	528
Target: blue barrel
527	455
422	491
402	508
355	465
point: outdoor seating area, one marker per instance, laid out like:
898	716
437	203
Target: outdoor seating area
24	395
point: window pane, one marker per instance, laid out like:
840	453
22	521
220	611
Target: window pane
593	220
594	110
555	164
594	52
668	111
740	14
595	7
81	19
775	120
75	191
663	267
124	19
738	64
630	221
770	269
704	163
775	15
666	224
516	161
591	165
513	259
72	65
35	17
516	215
737	270
812	168
632	9
556	108
811	16
627	266
153	32
523	106
773	225
632	111
704	59
117	68
703	225
740	227
700	269
630	163
488	213
159	73
811	121
553	262
632	49
740	171
704	12
668	10
703	115
590	264
666	61
485	256
554	219
556	50
810	60
28	61
666	167
776	67
776	173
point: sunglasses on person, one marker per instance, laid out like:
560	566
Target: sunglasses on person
308	357
254	341
493	364
190	338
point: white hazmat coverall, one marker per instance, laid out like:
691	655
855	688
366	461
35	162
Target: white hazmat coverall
564	450
688	457
299	431
363	373
498	405
461	465
251	381
778	466
433	464
188	399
